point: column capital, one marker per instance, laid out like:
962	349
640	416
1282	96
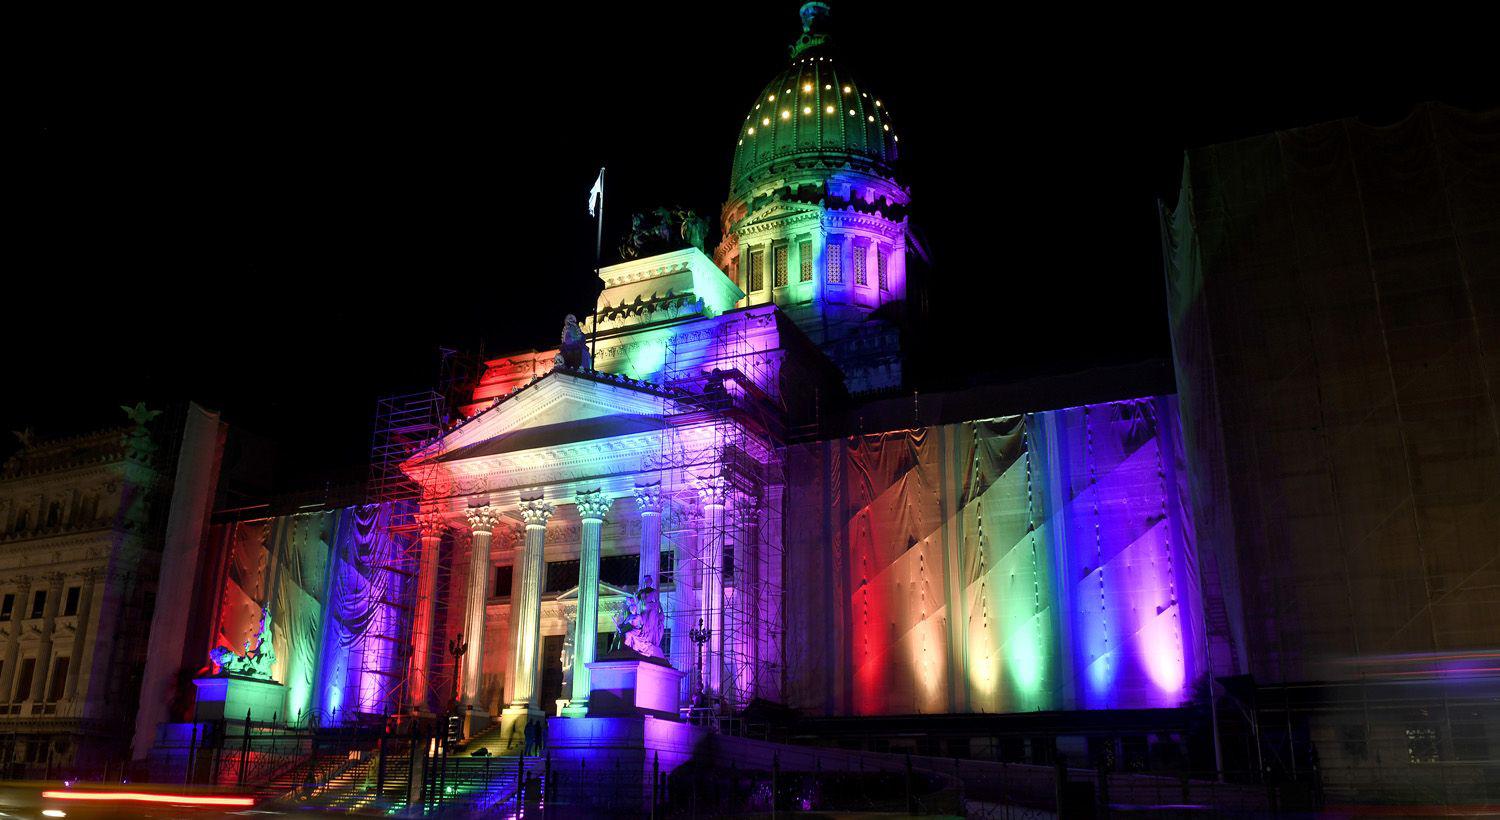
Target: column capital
592	504
482	520
713	490
536	511
648	498
432	523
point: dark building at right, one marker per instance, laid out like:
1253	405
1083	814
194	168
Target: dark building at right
1334	296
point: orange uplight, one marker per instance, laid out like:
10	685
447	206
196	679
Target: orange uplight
145	797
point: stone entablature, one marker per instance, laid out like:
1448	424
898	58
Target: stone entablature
664	287
38	457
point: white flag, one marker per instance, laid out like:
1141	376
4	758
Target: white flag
596	194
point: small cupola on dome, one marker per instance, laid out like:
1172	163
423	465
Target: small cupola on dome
814	28
815	109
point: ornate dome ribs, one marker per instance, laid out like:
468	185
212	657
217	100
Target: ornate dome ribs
816	109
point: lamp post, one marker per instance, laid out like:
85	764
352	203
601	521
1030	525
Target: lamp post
457	647
700	635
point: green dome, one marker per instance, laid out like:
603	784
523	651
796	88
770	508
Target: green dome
814	110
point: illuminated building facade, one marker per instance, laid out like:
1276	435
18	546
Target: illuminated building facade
83	521
1081	561
692	441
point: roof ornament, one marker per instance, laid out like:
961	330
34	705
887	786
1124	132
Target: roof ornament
573	352
815	17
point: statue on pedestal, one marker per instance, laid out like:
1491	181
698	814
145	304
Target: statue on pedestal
662	230
257	661
641	626
573	352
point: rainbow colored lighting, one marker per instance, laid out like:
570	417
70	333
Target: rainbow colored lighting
1024	563
147	797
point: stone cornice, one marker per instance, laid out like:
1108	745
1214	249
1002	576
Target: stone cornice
651	267
849	219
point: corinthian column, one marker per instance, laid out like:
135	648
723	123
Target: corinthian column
432	525
527	610
592	506
648	499
482	521
713	491
526	616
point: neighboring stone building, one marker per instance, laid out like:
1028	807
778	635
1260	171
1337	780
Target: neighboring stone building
81	524
1335	306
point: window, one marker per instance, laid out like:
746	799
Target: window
58	681
668	569
757	272
70	606
24	673
1469	739
778	266
1353	739
835	263
805	259
860	252
728	564
39	603
7	606
620	570
561	576
882	268
1422	744
503	576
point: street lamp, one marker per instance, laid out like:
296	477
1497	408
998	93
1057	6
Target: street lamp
700	636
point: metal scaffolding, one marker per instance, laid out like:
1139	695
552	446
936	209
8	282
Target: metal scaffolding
725	421
402	425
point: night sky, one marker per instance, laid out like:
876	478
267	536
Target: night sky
285	218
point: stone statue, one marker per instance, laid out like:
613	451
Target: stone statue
573	352
653	620
257	661
138	445
664	229
641	625
694	229
139	414
567	657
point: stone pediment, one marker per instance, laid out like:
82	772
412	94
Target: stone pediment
775	212
561	408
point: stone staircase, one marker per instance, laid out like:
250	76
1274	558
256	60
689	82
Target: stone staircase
469	785
492	740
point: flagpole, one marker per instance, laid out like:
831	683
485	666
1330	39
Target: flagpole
598	252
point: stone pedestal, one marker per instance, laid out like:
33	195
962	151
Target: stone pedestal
229	698
513	720
645	747
634	686
475	720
